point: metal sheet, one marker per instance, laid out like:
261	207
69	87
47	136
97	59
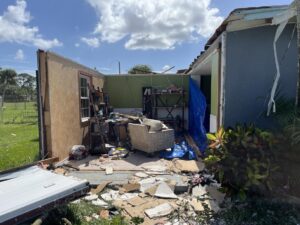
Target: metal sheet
34	189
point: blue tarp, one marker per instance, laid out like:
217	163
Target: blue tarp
197	107
181	151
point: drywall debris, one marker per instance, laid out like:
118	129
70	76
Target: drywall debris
197	205
199	191
99	202
127	196
110	195
155	168
164	191
141	175
158	211
113	195
152	190
109	170
150	182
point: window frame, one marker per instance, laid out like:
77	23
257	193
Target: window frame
84	120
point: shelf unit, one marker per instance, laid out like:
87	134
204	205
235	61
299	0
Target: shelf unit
169	101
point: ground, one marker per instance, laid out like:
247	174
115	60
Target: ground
19	141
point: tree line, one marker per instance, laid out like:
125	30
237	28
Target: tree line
14	86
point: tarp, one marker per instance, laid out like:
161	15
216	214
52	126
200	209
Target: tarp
197	108
181	151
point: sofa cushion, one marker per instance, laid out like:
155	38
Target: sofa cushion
154	125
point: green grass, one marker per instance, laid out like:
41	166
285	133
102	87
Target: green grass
19	141
19	112
76	214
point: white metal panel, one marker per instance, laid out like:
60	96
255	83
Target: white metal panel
33	190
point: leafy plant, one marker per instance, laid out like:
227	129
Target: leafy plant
241	159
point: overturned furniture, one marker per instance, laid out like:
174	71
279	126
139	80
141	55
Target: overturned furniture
150	141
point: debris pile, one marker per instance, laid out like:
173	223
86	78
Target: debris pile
170	194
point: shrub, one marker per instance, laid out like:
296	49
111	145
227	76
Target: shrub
241	159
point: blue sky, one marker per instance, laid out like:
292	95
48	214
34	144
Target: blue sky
99	33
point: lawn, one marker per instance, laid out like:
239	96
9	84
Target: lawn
19	141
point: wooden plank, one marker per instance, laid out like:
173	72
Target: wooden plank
192	143
49	160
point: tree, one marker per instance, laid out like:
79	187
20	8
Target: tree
7	78
26	81
140	69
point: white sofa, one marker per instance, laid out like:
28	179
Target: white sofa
150	141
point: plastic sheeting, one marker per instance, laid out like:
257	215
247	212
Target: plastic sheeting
197	108
181	151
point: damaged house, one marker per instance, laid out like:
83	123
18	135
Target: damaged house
90	122
250	58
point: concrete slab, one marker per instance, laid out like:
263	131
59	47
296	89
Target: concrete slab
97	177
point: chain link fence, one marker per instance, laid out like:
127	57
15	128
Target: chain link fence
18	110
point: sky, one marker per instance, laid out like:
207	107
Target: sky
101	33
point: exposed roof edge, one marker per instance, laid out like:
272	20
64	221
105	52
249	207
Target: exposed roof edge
264	14
72	61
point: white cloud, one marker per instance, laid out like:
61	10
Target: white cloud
77	45
14	28
155	24
166	67
19	55
92	42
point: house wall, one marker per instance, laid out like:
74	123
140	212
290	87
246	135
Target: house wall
250	70
63	126
125	91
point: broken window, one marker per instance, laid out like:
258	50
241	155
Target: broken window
84	97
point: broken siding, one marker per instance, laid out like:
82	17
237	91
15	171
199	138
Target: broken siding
250	70
64	129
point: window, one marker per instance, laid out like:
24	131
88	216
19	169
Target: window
84	97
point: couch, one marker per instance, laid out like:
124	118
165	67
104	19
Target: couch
150	141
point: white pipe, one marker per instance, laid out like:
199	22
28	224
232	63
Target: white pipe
275	84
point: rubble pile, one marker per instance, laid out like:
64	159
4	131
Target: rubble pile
173	194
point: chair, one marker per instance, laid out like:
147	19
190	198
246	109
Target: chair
149	141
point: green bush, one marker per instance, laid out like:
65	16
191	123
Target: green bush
241	159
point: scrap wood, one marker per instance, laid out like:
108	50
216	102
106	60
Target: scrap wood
71	166
60	170
49	160
131	187
192	143
100	187
136	201
188	165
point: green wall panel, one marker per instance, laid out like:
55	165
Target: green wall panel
125	91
